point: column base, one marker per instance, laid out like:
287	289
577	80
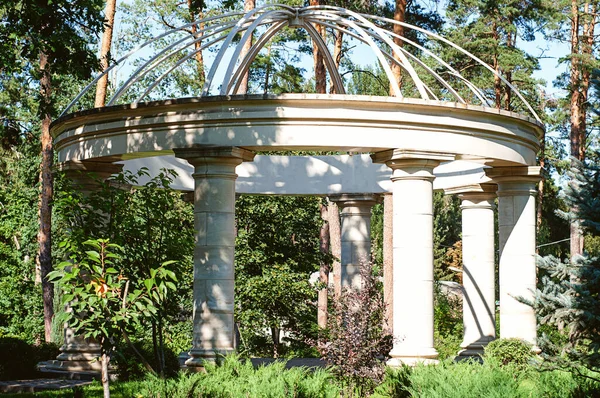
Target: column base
197	358
80	361
473	350
427	356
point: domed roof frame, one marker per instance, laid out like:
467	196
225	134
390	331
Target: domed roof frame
220	30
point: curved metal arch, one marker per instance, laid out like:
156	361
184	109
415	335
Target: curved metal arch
467	53
245	37
138	48
225	45
399	63
365	28
138	74
245	63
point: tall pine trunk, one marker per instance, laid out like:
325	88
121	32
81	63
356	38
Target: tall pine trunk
44	257
581	55
320	74
102	85
400	16
243	89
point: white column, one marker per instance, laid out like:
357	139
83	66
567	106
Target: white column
517	269
412	178
479	296
214	222
79	355
355	235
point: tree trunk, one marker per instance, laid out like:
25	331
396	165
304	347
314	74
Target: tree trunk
197	45
335	241
104	375
496	66
44	257
275	332
323	270
579	85
102	84
400	16
337	55
320	74
388	259
243	89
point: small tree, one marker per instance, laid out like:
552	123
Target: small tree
356	341
569	294
103	304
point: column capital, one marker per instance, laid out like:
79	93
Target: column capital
101	169
401	157
516	180
474	192
209	154
514	174
355	199
87	174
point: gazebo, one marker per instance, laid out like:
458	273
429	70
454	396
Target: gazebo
437	132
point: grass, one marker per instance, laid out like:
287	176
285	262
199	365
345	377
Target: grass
446	380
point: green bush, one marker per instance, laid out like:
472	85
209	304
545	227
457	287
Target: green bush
233	378
511	351
130	367
488	380
18	358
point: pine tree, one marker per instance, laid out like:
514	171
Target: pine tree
569	293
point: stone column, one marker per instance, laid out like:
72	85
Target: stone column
388	257
355	235
78	355
517	269
479	295
214	222
412	178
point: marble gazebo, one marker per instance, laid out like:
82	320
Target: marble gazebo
437	132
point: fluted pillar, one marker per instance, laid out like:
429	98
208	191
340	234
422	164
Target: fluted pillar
517	268
479	295
412	176
214	222
355	235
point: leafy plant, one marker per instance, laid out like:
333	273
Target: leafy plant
356	341
103	304
515	352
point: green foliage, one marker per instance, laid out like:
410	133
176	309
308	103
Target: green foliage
128	364
356	342
446	232
103	303
277	248
19	357
448	323
234	378
467	379
514	352
568	298
152	224
20	296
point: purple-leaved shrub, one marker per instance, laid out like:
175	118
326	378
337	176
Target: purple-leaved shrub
356	342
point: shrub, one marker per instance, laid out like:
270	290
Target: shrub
233	378
511	351
356	342
19	359
129	366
